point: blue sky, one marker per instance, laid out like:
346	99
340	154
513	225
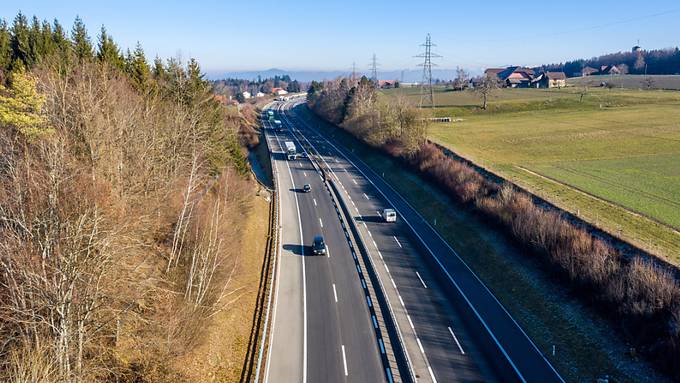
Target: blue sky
330	35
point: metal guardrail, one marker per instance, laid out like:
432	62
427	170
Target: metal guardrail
273	252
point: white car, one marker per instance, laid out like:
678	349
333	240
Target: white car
389	215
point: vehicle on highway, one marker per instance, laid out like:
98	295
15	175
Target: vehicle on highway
307	188
270	113
291	151
278	126
389	215
319	246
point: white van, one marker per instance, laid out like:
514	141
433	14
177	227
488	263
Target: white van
389	215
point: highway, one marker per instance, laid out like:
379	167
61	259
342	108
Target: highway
321	327
453	328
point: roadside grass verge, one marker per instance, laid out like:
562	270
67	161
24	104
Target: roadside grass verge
585	348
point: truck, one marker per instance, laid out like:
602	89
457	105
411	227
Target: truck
278	126
389	215
291	152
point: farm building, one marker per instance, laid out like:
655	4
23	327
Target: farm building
609	69
588	71
516	77
388	84
550	80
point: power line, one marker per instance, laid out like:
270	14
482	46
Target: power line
374	70
426	89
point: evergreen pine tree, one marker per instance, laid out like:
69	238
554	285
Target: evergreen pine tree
62	45
107	50
35	42
21	49
139	69
158	69
5	47
47	39
81	41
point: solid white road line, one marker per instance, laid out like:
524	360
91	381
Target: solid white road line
304	174
457	343
335	294
432	374
344	359
420	345
398	243
320	222
410	323
355	181
421	280
314	199
365	196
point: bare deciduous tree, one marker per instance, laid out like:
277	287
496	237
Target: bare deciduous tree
486	87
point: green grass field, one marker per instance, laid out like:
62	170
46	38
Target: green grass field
614	158
631	81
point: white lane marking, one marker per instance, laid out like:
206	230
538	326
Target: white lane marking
434	380
409	321
335	294
421	280
370	235
375	244
355	181
320	222
365	196
364	223
314	199
401	301
388	270
304	173
393	284
420	345
344	359
457	343
398	243
328	252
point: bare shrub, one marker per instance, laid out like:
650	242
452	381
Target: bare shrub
644	289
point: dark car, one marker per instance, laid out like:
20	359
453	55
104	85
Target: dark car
319	246
306	188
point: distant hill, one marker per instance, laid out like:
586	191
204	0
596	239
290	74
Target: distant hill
409	75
